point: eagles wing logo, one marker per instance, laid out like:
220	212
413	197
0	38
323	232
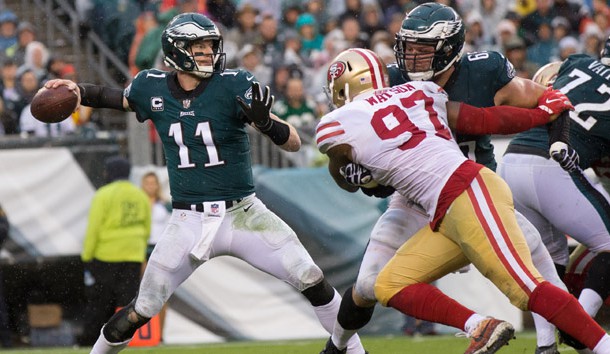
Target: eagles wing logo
335	70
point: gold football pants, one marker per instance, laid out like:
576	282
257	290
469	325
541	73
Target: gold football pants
479	228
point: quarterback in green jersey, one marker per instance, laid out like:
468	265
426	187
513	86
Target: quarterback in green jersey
201	112
581	208
429	47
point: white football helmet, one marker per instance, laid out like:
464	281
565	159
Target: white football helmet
352	72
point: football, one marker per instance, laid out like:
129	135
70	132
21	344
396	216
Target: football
53	105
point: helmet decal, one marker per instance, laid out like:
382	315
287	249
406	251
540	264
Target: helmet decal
335	70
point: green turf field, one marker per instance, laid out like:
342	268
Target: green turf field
525	343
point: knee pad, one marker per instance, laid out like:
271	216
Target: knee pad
319	294
352	316
123	324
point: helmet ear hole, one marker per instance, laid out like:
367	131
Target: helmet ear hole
341	94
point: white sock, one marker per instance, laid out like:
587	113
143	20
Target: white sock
590	301
103	346
472	322
341	336
327	315
603	346
545	331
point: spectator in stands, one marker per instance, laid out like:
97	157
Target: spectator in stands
561	28
397	7
545	47
371	20
292	49
516	52
273	7
531	24
160	214
26	34
475	39
289	17
27	86
281	74
36	58
246	29
352	34
353	8
568	46
573	12
602	19
5	332
149	48
592	40
270	42
114	247
146	22
10	94
250	60
222	11
58	68
309	32
297	108
492	12
9	122
8	29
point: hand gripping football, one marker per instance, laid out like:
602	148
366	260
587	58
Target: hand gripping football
53	105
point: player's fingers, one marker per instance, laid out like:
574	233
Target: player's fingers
244	106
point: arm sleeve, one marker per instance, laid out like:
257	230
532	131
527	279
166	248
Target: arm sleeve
498	119
101	96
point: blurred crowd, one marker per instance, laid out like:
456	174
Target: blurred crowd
287	44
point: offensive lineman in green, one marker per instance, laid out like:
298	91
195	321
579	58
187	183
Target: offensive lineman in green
197	111
429	47
580	210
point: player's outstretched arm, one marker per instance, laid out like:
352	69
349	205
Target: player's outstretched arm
506	119
95	96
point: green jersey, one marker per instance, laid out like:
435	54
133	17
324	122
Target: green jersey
586	82
206	145
475	81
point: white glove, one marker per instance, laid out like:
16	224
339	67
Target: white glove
565	155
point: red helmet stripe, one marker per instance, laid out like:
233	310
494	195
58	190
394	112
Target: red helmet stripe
374	67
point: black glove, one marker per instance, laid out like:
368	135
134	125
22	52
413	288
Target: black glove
380	191
355	174
258	111
565	155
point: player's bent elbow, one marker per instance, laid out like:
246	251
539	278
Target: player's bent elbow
293	144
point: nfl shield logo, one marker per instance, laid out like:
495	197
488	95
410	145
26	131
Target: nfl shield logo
186	103
214	208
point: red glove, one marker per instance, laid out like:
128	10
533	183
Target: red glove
554	102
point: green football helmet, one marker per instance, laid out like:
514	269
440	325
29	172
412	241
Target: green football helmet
176	41
605	54
432	24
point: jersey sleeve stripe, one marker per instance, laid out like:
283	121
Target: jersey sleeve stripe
374	67
327	125
321	139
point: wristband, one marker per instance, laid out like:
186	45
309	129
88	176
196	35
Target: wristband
278	132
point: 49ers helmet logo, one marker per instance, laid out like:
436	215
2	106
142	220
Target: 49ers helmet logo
335	70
